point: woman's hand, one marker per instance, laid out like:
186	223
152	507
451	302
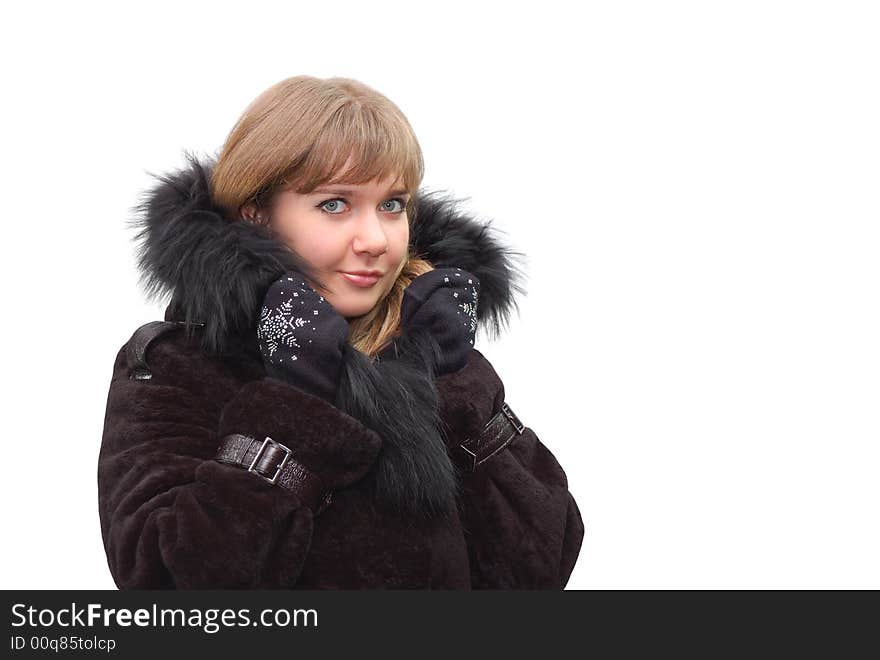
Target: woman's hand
301	337
444	302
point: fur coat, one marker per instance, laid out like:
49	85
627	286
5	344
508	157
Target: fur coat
409	507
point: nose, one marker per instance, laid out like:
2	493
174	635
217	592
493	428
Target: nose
370	236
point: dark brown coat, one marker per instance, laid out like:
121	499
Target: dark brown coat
407	510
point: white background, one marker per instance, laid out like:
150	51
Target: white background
696	187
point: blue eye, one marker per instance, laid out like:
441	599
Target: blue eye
335	202
332	206
399	201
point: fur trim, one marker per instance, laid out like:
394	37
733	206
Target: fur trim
398	399
447	236
217	270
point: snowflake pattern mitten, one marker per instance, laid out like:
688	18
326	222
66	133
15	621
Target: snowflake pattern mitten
301	337
444	301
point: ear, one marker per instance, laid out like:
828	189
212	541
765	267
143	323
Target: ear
249	213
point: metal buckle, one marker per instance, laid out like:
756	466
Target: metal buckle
280	465
518	425
471	459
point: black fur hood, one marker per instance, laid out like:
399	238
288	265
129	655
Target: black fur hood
217	270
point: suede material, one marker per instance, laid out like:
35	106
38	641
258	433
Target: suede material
468	398
173	518
523	527
402	516
333	445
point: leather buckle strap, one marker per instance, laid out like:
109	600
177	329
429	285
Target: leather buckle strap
272	461
260	456
495	436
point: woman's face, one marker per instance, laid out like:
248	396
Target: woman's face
343	228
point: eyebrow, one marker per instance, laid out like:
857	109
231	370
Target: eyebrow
352	193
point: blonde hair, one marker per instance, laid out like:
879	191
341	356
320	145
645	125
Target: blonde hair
298	135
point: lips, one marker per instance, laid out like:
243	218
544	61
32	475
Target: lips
368	273
359	279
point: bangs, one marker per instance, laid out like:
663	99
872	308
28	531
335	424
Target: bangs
372	143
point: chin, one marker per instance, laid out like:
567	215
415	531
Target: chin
353	308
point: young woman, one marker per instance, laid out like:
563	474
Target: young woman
312	413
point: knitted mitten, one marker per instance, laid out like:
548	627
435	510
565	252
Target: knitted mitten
301	337
443	301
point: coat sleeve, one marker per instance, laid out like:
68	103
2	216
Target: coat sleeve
522	525
174	518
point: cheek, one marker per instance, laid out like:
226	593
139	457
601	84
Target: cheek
322	248
312	242
398	240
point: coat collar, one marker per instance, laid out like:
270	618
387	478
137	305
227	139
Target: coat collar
216	269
